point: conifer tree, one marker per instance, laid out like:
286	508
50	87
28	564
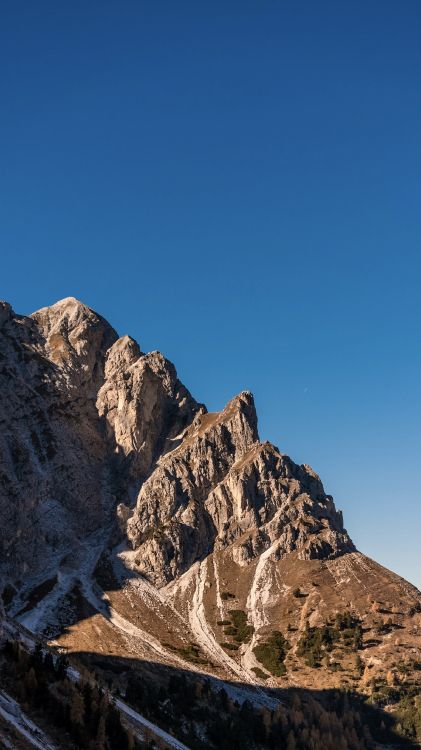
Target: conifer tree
77	709
30	684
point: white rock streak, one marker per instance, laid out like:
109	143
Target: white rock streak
257	599
219	602
260	589
85	559
202	631
12	713
206	639
143	723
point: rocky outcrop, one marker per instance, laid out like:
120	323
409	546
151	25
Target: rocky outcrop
112	476
52	456
221	486
84	416
75	339
171	526
266	497
95	432
144	405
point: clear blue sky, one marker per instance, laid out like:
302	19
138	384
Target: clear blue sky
237	184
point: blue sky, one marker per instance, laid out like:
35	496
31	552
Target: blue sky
237	184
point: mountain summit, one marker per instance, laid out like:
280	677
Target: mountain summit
132	517
97	430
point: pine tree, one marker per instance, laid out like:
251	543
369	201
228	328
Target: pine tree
130	741
77	709
37	657
30	684
87	697
116	734
359	664
61	667
49	662
100	739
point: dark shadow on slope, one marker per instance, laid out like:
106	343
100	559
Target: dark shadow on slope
187	703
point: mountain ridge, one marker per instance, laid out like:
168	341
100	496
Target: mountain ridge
132	517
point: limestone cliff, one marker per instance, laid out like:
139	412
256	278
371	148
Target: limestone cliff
171	528
220	486
94	430
84	416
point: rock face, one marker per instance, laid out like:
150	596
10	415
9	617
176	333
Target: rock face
84	415
117	488
94	430
51	451
221	486
140	531
143	404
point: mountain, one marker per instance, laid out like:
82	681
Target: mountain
136	527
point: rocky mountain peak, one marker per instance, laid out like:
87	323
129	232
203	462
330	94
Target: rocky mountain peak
142	531
220	486
124	432
120	356
76	340
6	312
